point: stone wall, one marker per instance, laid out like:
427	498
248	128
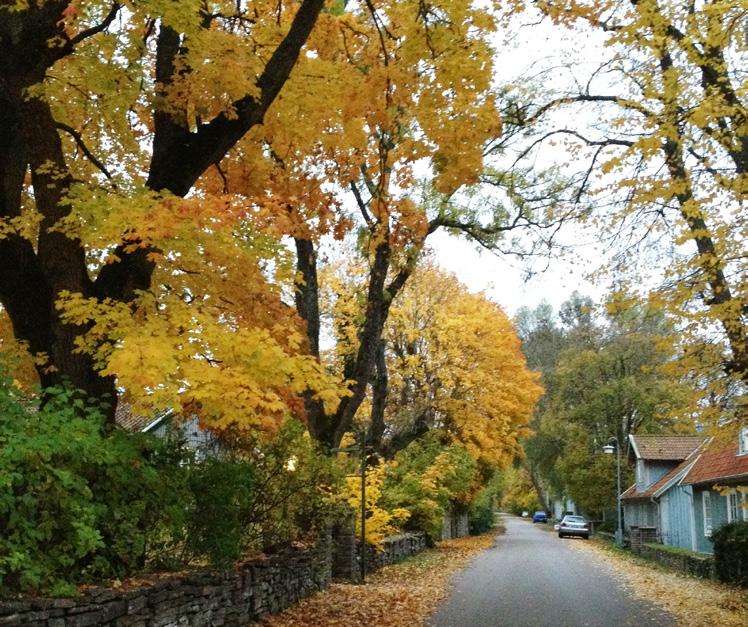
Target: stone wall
688	562
455	525
395	549
229	598
639	536
216	598
345	560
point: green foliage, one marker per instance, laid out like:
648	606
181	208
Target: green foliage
731	552
75	505
258	496
78	504
605	374
481	513
426	478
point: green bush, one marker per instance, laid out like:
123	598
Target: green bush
75	505
80	503
427	477
481	515
731	552
258	496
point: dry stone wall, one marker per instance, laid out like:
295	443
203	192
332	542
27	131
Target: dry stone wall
395	549
199	599
683	561
229	598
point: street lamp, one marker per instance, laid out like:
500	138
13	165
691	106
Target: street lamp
609	448
362	449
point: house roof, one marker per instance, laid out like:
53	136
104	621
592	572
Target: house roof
719	461
664	482
125	418
665	447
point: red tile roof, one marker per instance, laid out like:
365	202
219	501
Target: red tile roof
124	417
718	462
665	447
652	490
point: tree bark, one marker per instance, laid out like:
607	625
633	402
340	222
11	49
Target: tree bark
32	275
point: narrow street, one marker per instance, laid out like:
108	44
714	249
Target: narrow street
531	577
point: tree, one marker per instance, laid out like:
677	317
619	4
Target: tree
543	341
110	113
660	131
423	73
612	378
454	364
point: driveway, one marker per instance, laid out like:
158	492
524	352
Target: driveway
531	577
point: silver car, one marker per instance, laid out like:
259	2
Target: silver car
574	526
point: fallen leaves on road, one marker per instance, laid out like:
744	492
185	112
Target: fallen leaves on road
692	602
395	596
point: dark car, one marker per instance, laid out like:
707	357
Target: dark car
539	517
574	526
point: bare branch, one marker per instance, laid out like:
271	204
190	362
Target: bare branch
84	149
102	26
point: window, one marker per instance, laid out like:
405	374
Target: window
706	501
737	504
733	506
743	441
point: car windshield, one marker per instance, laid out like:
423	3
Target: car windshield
540	513
575	519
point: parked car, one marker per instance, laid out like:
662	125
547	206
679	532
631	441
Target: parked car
574	526
539	517
525	514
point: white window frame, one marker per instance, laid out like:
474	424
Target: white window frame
743	441
734	505
706	502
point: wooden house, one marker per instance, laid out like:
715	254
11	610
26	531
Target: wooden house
708	488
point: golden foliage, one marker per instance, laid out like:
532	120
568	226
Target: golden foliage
456	358
380	522
377	87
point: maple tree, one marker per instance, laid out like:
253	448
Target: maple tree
422	77
154	166
659	132
454	364
111	112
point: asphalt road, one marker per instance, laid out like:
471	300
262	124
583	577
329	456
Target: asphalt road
531	577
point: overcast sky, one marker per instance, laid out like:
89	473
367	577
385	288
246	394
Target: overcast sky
502	278
521	54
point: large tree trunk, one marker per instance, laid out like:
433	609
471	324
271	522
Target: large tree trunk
32	275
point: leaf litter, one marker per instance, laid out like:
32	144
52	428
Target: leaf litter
404	594
692	602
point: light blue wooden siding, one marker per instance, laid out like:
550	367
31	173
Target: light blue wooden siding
657	470
678	504
639	514
719	517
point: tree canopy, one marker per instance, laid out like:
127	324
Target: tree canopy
657	132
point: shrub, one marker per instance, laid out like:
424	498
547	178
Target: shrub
731	552
481	516
426	477
75	505
258	495
80	504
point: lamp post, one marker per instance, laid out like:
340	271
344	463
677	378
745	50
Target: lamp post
609	448
362	449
